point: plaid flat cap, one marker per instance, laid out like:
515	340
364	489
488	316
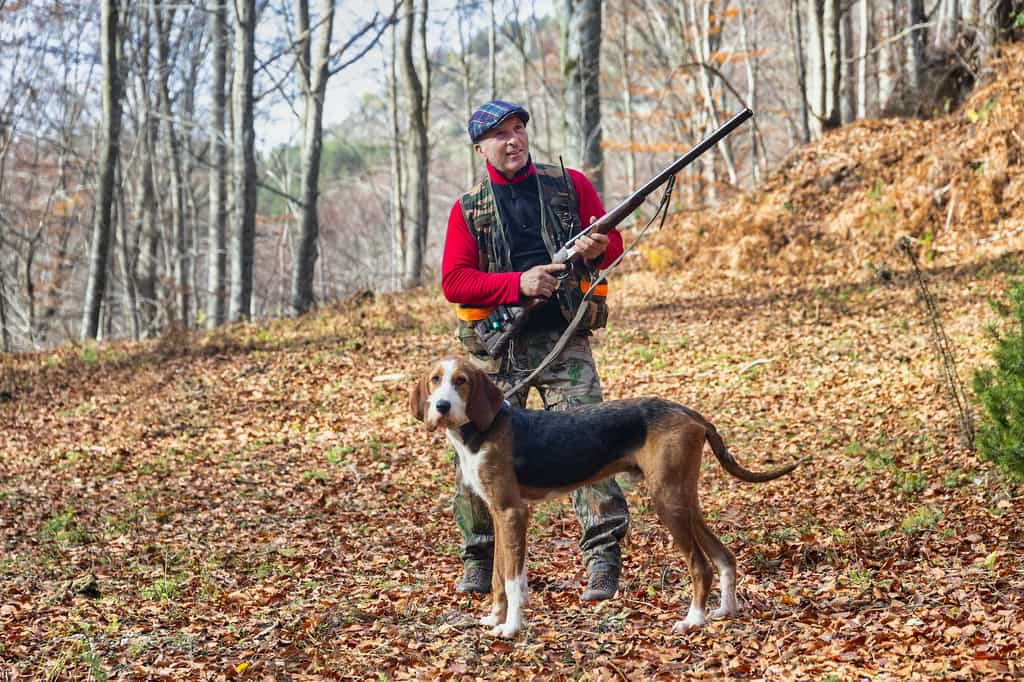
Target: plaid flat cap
493	114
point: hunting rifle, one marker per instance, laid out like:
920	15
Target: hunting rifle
497	330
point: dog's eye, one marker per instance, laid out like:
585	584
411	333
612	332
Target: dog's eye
459	381
435	379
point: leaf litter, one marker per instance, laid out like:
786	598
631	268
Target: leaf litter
256	503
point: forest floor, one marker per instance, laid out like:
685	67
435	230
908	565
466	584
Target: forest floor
259	503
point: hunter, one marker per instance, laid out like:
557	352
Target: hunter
498	248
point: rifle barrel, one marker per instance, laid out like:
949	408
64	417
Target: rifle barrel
624	208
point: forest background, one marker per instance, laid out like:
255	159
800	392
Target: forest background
136	198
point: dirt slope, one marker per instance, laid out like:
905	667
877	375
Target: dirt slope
839	206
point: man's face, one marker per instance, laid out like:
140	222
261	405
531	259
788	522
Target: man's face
507	146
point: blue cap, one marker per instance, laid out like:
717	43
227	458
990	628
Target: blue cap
491	115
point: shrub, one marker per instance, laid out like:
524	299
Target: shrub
1001	388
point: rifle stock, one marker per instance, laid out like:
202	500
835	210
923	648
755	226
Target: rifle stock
495	337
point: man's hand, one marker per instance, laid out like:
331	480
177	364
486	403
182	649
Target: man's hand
540	280
591	246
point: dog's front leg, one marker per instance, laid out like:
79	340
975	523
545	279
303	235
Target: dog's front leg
499	600
512	522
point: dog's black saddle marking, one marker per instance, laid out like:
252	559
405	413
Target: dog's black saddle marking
555	449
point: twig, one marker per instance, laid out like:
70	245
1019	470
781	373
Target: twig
1003	235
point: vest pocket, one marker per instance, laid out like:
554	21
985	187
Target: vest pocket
469	340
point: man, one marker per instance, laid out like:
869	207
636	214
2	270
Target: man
498	247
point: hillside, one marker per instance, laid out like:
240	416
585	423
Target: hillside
838	207
257	503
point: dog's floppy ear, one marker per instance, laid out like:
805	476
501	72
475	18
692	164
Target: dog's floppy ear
485	400
418	399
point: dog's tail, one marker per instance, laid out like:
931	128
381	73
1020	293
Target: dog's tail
729	462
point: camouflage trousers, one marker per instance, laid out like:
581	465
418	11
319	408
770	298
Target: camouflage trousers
570	380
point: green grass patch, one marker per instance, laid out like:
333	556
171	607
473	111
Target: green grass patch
921	519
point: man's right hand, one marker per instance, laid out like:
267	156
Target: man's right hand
540	280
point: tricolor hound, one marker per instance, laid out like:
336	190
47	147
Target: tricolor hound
511	457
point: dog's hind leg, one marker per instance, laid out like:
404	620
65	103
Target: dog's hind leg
725	561
678	518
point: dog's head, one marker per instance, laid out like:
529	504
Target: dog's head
454	393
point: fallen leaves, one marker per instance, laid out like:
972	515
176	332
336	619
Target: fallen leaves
257	504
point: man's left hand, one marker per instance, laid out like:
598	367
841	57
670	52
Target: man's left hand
591	246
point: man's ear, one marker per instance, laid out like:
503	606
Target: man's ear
485	400
418	399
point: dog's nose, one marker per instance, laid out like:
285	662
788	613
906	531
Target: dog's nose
443	406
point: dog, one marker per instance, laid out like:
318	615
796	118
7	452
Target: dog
511	457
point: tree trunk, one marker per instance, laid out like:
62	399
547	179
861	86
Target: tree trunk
216	274
99	252
492	50
864	43
796	40
173	155
995	16
817	86
582	69
5	334
466	74
887	65
750	66
831	48
243	239
915	46
417	92
398	218
627	99
848	69
313	76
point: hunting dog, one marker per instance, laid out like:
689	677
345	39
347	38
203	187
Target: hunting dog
511	457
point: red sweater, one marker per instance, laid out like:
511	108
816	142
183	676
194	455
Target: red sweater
461	279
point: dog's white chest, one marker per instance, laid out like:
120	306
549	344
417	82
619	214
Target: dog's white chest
469	465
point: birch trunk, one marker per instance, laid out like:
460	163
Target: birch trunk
817	87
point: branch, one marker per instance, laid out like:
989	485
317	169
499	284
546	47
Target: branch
390	21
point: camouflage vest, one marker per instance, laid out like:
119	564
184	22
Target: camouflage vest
559	221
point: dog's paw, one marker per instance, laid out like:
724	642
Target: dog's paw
684	626
489	621
724	612
694	619
505	631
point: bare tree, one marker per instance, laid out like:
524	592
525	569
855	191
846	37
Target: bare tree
581	68
313	72
99	253
314	62
243	238
397	203
164	21
216	280
417	91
